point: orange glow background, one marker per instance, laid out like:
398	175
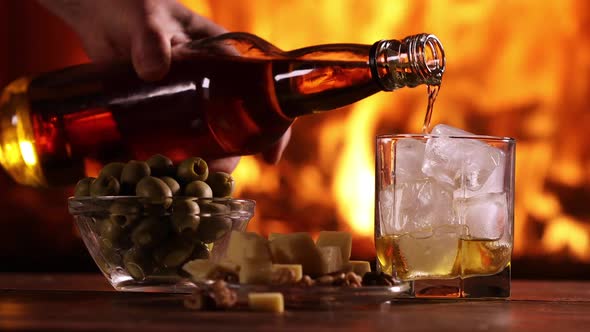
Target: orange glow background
518	69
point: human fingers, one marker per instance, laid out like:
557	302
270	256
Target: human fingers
227	165
150	52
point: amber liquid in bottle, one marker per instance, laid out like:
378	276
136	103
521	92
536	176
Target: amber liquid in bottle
217	108
214	105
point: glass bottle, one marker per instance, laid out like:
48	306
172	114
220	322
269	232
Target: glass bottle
234	94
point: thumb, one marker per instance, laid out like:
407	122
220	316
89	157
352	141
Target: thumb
150	53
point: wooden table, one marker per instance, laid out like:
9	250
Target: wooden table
86	302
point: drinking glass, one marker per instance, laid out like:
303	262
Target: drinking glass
444	213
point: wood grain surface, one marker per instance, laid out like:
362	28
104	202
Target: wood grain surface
87	302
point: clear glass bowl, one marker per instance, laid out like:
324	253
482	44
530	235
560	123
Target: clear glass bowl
140	244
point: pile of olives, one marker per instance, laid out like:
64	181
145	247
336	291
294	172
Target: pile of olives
163	216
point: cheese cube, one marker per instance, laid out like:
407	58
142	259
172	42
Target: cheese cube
339	239
268	302
247	246
332	259
204	269
296	268
199	269
358	267
255	272
273	236
227	265
298	248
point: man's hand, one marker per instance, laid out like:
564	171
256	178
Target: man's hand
141	30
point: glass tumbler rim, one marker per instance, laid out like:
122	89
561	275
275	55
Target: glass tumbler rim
503	139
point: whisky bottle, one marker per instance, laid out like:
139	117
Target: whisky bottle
234	94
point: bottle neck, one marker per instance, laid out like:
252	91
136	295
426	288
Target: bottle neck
410	62
324	77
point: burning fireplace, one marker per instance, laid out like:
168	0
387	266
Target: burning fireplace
520	69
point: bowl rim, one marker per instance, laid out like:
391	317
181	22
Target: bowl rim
75	203
115	197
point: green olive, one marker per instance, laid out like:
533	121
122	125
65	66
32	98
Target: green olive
185	206
173	253
112	232
125	213
192	169
184	222
83	187
132	173
98	224
105	185
201	251
212	229
109	254
160	165
113	169
149	232
198	189
221	183
185	215
165	275
172	184
125	220
211	208
138	263
155	190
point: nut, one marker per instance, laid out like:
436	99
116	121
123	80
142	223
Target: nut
353	280
339	279
219	296
227	276
199	300
349	279
224	297
306	281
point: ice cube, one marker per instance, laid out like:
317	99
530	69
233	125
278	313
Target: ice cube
446	130
385	209
433	256
486	216
420	205
409	155
460	162
494	184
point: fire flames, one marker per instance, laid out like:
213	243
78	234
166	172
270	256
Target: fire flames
518	69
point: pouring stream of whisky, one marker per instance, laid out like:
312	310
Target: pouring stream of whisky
432	93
